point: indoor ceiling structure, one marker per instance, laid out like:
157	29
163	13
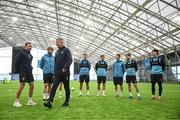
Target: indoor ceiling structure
94	27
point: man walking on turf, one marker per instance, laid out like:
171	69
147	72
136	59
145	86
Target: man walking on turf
101	69
157	65
84	68
47	65
24	68
131	69
118	70
63	60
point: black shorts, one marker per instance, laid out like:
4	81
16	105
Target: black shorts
118	80
156	78
26	77
83	78
48	78
101	79
130	79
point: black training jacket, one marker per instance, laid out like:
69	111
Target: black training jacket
23	62
63	60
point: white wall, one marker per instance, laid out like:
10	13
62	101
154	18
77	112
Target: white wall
92	73
176	71
5	62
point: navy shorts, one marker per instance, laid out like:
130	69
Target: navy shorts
26	77
48	78
118	80
156	78
130	79
83	78
101	79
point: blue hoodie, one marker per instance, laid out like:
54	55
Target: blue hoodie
47	64
118	68
84	67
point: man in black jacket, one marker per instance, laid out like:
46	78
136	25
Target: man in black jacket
24	68
63	60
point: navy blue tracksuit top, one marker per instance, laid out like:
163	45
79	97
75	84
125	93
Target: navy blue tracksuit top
23	62
63	60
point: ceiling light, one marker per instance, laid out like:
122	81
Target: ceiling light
47	26
42	6
88	22
77	47
19	44
14	19
81	38
75	52
26	32
114	52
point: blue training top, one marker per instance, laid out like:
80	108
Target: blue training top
47	64
118	68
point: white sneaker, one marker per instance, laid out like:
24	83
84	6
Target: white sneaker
31	103
116	95
98	95
80	94
104	95
17	104
88	94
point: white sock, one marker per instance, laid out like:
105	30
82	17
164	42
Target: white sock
138	94
30	98
60	93
121	93
44	95
104	92
47	95
80	91
17	100
87	91
99	92
130	94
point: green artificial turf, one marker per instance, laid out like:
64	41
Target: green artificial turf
93	107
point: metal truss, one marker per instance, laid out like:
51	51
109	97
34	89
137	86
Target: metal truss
94	27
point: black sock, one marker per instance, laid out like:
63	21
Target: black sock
153	88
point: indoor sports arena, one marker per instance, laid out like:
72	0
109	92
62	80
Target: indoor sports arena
89	59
